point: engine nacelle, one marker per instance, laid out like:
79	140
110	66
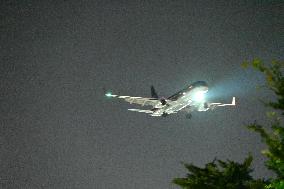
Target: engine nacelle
203	107
163	101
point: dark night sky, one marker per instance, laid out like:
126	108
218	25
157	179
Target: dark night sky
57	129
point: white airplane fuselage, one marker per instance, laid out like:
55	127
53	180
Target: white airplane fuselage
181	100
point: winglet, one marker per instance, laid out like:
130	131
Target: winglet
234	101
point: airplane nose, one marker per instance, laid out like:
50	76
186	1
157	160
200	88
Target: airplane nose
205	88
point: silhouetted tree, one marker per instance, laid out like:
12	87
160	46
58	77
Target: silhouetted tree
230	175
274	139
233	175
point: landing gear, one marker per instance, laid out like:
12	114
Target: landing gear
188	115
163	102
206	105
164	114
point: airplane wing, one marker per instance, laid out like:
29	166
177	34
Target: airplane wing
139	110
214	105
137	100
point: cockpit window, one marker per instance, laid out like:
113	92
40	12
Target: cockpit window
199	83
181	93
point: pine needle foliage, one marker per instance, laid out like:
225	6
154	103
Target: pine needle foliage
274	136
220	174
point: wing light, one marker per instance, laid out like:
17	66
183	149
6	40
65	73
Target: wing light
108	94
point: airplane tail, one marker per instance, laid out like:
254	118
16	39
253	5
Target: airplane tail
153	92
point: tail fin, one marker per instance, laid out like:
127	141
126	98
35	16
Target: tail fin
153	92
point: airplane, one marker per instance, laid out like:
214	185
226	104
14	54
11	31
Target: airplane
189	99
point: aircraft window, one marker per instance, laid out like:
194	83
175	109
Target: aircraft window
200	83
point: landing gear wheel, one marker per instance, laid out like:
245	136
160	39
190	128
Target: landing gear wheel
165	114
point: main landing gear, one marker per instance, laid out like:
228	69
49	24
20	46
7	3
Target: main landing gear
164	114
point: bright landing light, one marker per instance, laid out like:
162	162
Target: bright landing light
199	96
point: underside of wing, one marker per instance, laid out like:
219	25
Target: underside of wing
149	112
143	111
137	100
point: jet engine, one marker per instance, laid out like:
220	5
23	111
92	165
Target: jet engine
163	101
203	107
